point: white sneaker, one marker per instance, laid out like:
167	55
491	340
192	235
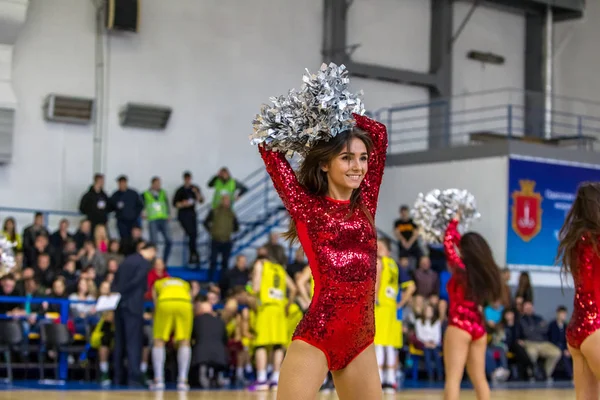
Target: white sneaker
158	386
183	387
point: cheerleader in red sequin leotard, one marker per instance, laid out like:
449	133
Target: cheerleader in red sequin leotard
579	253
463	312
465	339
340	241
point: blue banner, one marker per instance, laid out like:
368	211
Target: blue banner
540	193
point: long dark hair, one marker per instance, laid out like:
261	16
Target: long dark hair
483	274
583	220
12	236
312	177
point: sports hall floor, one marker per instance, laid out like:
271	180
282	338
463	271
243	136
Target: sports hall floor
35	391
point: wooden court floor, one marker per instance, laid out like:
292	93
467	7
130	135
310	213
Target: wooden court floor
530	394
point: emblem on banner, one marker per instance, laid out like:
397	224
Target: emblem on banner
526	211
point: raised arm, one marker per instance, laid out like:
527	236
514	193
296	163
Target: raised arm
372	181
451	240
293	195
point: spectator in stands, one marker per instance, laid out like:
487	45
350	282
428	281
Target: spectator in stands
557	336
94	258
275	251
185	200
59	291
89	274
210	339
514	343
95	204
225	185
69	274
428	331
128	207
157	212
157	272
236	276
45	273
195	285
69	252
33	289
426	279
131	282
8	287
407	233
112	266
535	339
83	233
82	293
295	268
101	238
221	222
58	238
506	295
40	245
524	291
496	349
9	230
130	245
33	231
114	250
493	314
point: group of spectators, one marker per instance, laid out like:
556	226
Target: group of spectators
130	207
81	265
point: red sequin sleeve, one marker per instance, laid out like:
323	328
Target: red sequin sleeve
451	240
376	164
293	195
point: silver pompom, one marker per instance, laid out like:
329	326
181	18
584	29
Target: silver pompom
321	109
7	256
433	212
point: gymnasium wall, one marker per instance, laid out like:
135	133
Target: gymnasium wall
214	62
576	60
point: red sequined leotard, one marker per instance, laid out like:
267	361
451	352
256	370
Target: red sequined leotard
586	308
341	247
463	313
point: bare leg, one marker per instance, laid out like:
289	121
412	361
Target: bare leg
360	379
476	368
586	384
303	370
456	350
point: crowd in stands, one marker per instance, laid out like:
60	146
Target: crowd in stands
81	264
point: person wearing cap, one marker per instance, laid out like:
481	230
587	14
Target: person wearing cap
185	200
156	209
131	282
225	185
95	204
128	207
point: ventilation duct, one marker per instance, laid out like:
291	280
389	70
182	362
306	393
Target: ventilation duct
73	110
145	116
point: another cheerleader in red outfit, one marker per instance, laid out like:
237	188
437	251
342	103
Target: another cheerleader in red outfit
475	280
578	252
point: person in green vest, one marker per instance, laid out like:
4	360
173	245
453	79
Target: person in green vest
156	210
224	184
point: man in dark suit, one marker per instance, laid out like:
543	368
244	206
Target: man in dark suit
131	282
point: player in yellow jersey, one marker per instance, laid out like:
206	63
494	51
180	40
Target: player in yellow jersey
271	284
173	315
388	327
